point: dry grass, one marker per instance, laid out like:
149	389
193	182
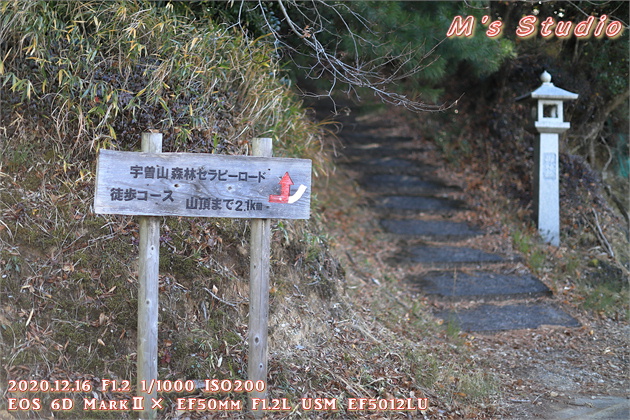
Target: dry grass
341	325
80	76
96	74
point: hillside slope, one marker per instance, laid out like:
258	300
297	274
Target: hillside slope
76	79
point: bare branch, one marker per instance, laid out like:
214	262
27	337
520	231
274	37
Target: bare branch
219	299
600	235
371	75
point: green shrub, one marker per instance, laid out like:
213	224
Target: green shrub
102	72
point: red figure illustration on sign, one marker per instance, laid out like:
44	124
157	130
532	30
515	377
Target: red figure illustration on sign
285	191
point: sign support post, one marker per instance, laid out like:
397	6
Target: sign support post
152	183
148	270
259	291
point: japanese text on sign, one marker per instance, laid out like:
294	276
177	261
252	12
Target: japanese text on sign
196	184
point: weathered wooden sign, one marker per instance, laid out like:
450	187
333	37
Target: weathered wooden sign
202	185
151	183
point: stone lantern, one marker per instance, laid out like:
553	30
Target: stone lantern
549	114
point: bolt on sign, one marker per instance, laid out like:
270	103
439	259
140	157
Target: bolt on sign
202	185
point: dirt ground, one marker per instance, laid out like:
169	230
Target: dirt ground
551	368
550	372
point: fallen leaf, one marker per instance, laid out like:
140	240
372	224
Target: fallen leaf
28	321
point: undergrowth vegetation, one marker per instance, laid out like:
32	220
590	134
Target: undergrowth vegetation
99	73
80	76
592	265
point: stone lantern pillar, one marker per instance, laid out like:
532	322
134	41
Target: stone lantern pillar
549	123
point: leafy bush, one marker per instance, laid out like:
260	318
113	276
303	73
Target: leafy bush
102	72
79	76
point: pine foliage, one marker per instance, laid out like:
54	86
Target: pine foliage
416	43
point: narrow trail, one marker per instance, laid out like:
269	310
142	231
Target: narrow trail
477	290
470	288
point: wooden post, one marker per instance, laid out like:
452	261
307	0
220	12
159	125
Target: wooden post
246	190
148	270
259	290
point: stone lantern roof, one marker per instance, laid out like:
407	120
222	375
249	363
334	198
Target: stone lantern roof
549	110
548	91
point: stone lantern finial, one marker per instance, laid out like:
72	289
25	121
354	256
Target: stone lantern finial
545	77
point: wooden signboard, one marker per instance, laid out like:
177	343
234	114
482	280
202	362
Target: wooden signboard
202	185
151	183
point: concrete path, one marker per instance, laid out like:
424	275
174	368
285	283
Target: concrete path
593	408
475	290
417	209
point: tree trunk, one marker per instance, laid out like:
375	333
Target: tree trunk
594	129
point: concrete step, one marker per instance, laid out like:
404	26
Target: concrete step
352	126
390	165
357	137
491	318
406	184
454	285
591	408
441	230
375	151
405	204
433	256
